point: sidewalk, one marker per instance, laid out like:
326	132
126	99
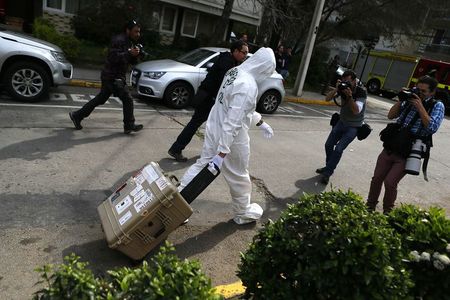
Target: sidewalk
318	99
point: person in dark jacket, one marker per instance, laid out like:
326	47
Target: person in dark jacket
121	54
206	93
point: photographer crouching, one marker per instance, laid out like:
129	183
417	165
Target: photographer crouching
123	51
346	124
406	141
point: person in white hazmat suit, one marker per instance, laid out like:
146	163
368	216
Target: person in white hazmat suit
227	141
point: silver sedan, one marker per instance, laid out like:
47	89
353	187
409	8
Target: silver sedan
176	81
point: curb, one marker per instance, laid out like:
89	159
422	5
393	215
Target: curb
230	290
84	83
308	101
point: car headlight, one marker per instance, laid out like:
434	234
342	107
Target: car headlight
59	56
154	75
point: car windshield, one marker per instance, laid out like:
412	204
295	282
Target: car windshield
195	57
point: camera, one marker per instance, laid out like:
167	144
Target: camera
408	94
142	52
414	159
344	85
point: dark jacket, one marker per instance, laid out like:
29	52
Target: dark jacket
118	58
213	79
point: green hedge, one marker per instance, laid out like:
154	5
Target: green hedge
426	242
326	246
44	30
163	277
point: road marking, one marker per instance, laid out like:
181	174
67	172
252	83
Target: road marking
230	290
75	107
57	97
169	111
312	109
78	98
289	110
85	98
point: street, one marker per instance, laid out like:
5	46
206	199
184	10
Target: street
54	177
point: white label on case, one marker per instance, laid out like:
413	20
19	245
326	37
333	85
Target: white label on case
139	179
161	183
125	218
142	204
136	190
150	174
140	195
124	204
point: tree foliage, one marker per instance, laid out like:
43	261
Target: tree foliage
354	19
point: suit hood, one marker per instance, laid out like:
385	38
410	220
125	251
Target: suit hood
260	65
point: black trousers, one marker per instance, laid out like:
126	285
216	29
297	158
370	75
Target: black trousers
109	88
204	102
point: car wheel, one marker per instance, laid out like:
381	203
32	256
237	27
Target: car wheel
27	81
269	101
178	95
373	86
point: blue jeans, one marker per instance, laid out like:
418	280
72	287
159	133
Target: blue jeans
340	137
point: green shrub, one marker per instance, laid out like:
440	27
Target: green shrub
44	30
426	243
70	280
326	246
164	277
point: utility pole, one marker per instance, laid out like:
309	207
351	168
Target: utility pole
309	46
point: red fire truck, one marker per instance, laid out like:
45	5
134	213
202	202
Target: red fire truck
388	72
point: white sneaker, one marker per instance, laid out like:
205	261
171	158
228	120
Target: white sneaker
253	213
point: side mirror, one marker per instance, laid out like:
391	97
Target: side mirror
209	65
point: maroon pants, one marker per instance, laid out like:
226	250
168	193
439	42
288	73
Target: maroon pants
390	169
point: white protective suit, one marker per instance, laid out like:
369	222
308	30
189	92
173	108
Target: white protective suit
227	131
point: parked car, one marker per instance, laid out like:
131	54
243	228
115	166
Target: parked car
29	66
176	81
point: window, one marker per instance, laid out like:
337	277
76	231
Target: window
66	6
72	6
169	18
54	4
190	23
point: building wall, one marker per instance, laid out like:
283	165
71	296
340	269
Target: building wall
61	21
245	11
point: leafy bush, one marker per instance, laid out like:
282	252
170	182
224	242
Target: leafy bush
70	280
426	242
164	277
326	246
44	30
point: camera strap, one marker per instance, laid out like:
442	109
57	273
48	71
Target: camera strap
428	140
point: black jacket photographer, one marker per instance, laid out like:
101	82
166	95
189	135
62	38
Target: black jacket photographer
122	52
419	116
351	117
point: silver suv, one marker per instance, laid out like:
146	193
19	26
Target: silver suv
29	66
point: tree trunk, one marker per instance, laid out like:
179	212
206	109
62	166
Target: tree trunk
222	25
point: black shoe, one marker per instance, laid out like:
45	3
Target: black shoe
178	156
76	122
320	170
133	128
325	179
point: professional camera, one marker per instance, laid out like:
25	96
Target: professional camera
344	85
142	52
414	161
408	94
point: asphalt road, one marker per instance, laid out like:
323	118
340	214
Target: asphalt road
53	178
